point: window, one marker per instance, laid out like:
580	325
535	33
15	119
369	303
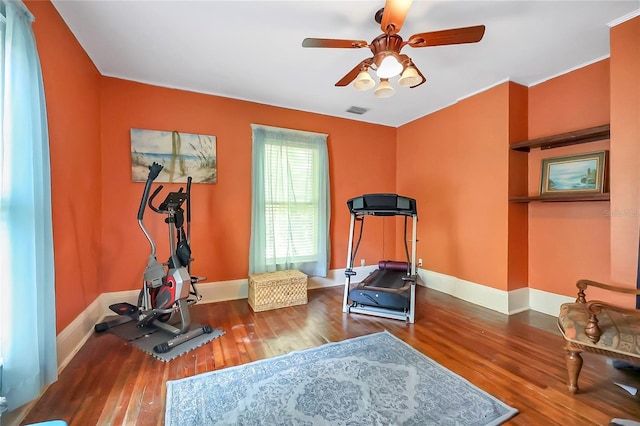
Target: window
290	201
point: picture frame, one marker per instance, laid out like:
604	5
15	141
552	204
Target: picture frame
181	155
581	173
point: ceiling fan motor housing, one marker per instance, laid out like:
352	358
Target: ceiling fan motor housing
384	44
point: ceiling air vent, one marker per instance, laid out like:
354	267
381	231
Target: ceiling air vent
357	110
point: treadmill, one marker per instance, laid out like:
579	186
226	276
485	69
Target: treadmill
390	290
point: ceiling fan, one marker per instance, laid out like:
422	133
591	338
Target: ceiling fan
387	61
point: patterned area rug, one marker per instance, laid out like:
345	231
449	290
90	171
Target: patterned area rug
375	379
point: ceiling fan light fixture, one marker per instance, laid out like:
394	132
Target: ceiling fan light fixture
364	81
409	77
384	89
389	67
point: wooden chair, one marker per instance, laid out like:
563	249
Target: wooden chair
600	328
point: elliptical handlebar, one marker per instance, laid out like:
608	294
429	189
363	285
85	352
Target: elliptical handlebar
153	196
189	210
171	203
154	171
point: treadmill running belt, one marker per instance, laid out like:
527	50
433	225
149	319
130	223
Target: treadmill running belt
383	288
386	280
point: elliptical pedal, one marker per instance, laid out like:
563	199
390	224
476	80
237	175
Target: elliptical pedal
126	313
124	308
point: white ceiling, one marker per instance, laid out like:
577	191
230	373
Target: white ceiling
252	50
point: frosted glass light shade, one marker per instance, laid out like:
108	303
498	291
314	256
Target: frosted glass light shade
389	67
364	81
410	77
384	89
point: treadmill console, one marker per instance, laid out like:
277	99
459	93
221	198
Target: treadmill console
382	205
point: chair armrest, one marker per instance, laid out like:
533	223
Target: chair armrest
594	308
583	284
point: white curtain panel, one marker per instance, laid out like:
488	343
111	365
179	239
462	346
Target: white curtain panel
290	201
27	287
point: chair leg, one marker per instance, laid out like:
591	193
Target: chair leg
574	365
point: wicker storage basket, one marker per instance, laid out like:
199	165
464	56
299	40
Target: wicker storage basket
272	290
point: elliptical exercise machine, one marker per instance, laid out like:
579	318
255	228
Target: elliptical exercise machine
167	288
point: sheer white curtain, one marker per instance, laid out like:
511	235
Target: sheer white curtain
27	296
290	201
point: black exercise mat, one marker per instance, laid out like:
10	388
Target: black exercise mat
148	342
146	338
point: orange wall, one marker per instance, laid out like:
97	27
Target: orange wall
455	161
427	152
518	246
567	241
72	91
482	197
625	151
361	158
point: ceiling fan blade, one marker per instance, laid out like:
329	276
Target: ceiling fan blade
452	36
351	75
330	42
395	12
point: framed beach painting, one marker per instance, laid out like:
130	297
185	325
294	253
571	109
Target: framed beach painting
181	155
574	173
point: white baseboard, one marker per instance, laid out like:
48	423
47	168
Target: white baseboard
519	301
71	339
336	277
488	297
506	302
547	303
221	291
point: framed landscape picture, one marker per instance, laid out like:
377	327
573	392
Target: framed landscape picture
180	154
574	174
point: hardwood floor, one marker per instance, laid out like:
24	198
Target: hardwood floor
518	359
